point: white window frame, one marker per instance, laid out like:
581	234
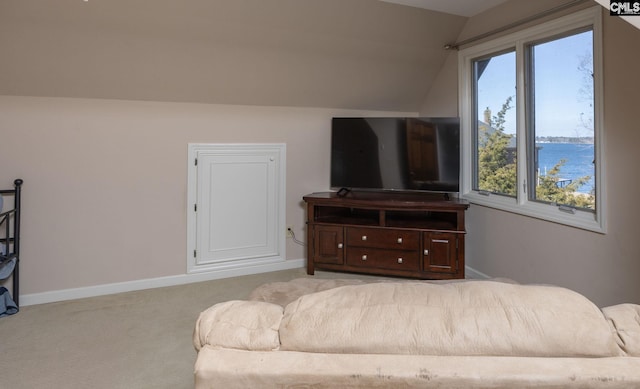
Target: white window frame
584	219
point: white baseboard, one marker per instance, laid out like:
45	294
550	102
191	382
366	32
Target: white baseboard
474	274
129	286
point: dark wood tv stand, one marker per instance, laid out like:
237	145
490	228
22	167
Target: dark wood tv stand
393	234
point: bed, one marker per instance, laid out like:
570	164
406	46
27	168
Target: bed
10	204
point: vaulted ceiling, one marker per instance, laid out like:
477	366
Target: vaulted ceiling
362	54
356	54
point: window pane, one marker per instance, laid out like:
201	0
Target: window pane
495	139
563	125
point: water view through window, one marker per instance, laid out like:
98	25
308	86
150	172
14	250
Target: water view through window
563	125
560	152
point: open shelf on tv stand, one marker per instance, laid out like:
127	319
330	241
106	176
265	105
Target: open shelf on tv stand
395	234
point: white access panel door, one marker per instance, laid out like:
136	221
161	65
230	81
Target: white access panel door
238	205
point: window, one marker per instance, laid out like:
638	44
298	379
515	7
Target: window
531	118
495	132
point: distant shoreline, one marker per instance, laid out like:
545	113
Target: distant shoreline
583	140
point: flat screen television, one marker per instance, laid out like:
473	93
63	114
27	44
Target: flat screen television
399	154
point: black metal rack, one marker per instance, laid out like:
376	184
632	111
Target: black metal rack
10	234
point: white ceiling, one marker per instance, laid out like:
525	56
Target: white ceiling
466	8
470	8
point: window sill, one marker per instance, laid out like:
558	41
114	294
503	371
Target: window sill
585	220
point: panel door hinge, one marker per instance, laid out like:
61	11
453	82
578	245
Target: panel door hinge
195	162
195	207
194	253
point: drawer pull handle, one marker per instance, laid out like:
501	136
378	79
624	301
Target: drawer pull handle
440	241
426	252
364	257
339	245
364	237
399	260
400	240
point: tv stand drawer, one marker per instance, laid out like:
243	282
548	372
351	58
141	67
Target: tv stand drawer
384	238
383	259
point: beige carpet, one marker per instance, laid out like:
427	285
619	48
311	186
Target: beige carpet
130	340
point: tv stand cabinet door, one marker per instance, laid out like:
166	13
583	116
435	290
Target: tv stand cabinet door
328	244
440	252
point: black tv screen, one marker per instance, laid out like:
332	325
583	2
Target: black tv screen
405	154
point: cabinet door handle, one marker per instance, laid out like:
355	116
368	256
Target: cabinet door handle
339	245
426	252
399	240
364	237
364	257
440	240
399	260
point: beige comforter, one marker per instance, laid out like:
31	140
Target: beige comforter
474	334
